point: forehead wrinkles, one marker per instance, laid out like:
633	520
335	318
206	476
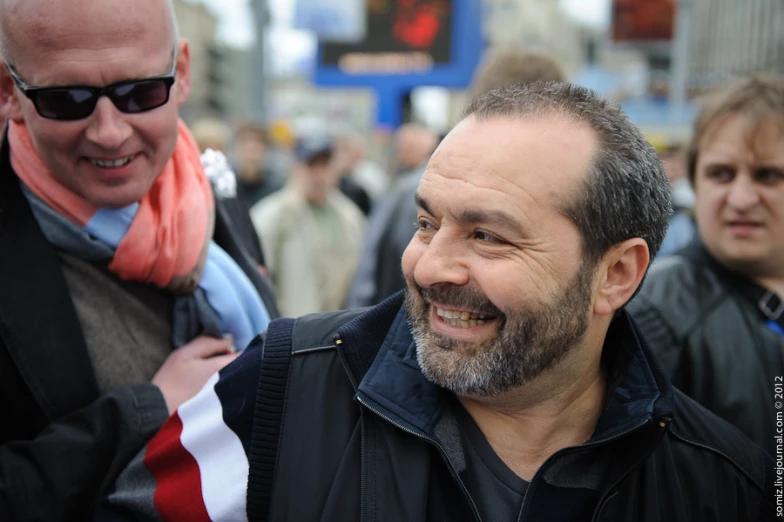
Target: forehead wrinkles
508	193
492	173
55	25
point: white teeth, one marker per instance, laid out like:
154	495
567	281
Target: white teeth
108	164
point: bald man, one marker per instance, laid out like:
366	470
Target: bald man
414	144
122	285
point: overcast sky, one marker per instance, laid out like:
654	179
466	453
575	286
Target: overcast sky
236	24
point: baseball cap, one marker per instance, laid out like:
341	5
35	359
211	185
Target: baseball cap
310	147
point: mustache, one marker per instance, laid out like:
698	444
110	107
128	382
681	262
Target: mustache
460	298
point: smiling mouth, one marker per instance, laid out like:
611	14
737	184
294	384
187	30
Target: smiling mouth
462	318
112	164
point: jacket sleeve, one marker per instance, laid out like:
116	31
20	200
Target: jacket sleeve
196	467
60	474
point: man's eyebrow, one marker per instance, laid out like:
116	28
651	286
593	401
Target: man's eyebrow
490	217
421	203
479	216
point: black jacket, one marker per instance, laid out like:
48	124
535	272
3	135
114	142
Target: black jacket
713	341
366	437
61	444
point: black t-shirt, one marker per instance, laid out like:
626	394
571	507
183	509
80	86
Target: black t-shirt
497	491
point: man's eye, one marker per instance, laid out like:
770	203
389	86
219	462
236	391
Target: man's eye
423	224
721	174
486	238
768	175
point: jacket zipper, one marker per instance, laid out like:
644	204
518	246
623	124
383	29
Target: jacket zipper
564	451
663	424
362	516
434	443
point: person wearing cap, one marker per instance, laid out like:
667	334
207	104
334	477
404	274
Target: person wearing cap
311	233
122	284
713	312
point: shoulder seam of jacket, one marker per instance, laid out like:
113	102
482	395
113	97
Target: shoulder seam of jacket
721	454
695	325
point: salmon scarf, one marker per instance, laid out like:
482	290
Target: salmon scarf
165	239
179	210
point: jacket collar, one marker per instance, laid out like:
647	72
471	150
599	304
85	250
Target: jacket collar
766	301
38	323
394	385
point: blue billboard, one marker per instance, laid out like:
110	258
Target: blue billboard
407	44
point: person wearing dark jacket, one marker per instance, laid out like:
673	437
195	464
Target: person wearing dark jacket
713	313
256	178
506	383
122	284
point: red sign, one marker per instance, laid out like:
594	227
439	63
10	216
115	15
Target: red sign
403	30
643	20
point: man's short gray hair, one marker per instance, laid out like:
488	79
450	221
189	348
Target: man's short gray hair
626	193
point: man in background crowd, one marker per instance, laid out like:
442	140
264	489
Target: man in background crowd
414	143
362	170
310	233
682	230
255	177
713	313
122	285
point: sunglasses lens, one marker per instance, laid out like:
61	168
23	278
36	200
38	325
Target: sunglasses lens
65	104
141	96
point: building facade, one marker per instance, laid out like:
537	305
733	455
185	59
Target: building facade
732	37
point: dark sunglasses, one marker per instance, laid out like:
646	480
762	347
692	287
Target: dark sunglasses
76	102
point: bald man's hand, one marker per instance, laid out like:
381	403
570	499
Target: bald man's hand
186	370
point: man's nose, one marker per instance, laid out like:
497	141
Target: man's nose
108	128
442	261
743	194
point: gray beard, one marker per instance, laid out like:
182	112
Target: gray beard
527	343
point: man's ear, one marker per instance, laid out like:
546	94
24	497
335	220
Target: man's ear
621	271
182	86
10	105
